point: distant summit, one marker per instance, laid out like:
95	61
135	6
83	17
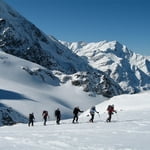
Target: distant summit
130	70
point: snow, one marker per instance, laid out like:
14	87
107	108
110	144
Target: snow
26	93
129	129
26	87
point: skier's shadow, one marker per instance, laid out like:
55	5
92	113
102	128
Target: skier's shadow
11	95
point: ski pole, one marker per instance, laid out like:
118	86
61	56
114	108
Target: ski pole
117	116
98	115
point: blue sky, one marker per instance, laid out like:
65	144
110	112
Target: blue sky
127	21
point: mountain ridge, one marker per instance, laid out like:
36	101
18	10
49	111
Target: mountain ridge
130	70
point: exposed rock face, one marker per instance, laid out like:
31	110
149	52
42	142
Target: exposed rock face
96	83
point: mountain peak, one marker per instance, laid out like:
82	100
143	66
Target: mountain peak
128	69
23	39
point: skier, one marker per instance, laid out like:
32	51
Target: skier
75	113
57	115
110	110
92	113
31	119
45	116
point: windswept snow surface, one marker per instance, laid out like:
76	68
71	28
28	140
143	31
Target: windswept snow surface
129	129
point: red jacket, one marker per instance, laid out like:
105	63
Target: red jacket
110	109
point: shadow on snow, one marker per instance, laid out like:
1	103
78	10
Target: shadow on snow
10	95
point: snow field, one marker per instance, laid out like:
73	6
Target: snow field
125	133
129	130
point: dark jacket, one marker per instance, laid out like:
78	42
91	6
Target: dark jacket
31	117
76	110
57	113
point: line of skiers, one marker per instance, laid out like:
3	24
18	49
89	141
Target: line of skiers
45	117
76	111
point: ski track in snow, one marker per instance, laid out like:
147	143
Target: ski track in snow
123	133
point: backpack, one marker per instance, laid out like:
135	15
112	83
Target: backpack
110	108
92	110
31	116
45	113
57	113
76	110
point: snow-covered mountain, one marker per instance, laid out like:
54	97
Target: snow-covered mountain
130	70
129	129
21	38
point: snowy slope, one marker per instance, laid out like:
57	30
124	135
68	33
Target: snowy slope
130	70
129	130
27	87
